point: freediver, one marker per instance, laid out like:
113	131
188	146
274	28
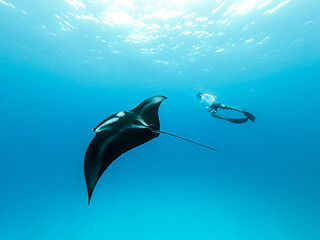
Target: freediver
212	105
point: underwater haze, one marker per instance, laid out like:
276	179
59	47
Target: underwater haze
66	65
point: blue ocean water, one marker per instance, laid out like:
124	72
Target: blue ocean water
66	65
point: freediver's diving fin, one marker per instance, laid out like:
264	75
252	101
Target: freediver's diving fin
237	120
249	115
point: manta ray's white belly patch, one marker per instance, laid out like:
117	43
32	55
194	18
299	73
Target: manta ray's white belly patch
105	124
120	114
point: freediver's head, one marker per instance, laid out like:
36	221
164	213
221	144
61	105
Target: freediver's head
199	95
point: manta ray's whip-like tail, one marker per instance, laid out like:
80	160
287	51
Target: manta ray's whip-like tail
159	131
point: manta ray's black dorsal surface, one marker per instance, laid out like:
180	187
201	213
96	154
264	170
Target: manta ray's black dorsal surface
118	134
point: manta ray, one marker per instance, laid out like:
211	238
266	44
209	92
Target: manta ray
119	133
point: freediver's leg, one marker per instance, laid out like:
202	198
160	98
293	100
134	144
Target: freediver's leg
230	108
213	114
